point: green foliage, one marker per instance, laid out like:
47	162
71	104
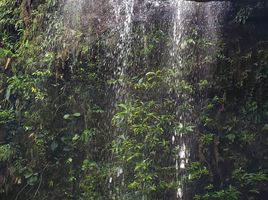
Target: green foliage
230	193
206	139
6	152
197	171
141	140
243	15
233	120
70	116
56	115
251	181
6	116
11	25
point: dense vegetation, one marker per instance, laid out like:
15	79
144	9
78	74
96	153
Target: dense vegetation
56	110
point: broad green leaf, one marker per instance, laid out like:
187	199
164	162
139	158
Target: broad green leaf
67	116
77	114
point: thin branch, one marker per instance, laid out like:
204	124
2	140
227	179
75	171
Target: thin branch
20	191
40	182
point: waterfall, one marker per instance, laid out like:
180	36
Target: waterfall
184	22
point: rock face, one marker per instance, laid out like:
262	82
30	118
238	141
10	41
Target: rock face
98	16
87	16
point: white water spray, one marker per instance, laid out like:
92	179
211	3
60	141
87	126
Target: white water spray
201	19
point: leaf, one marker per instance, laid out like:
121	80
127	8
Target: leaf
254	191
28	174
150	73
32	180
67	149
77	114
76	137
122	106
231	137
8	93
87	135
265	127
88	164
54	145
5	52
67	116
70	160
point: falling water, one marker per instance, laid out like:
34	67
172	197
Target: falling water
203	20
123	19
117	17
